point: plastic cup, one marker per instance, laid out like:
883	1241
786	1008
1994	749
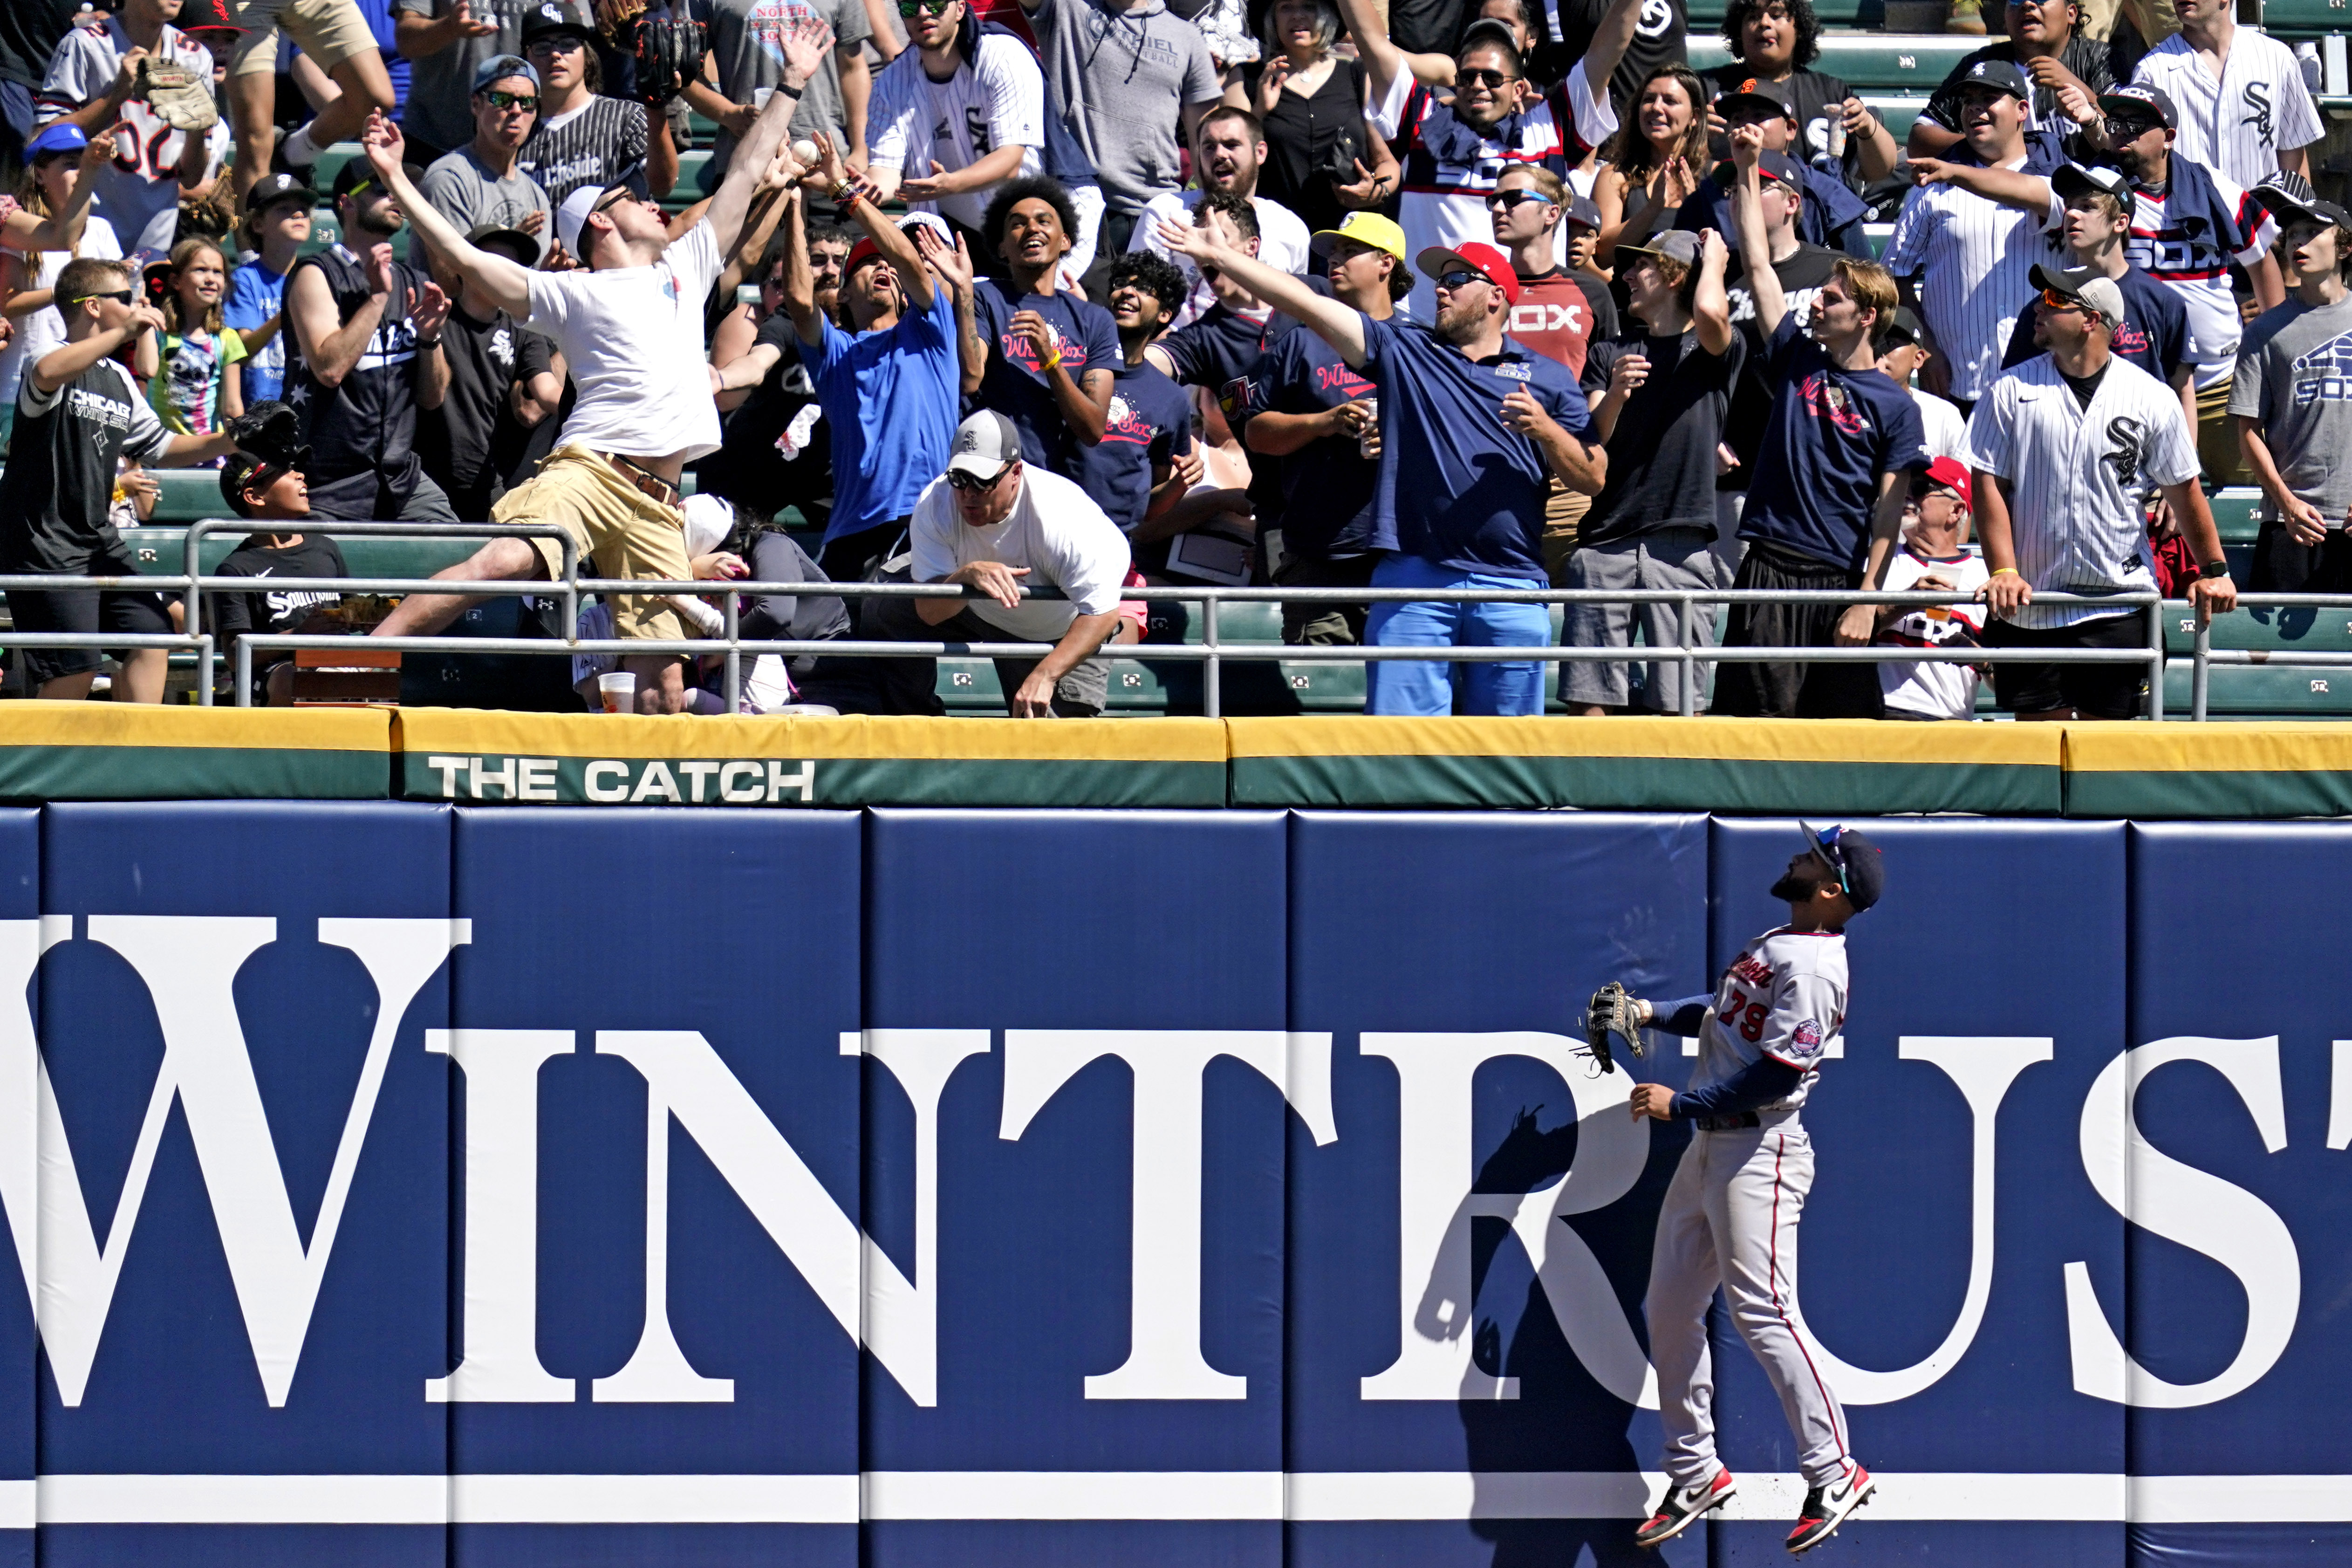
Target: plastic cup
619	690
1367	438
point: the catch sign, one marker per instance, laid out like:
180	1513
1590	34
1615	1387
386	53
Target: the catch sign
401	1184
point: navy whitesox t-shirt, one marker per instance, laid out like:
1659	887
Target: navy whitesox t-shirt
1150	424
1458	486
2153	336
1015	387
1219	350
1831	433
1329	485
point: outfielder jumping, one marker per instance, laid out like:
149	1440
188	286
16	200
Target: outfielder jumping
1730	1215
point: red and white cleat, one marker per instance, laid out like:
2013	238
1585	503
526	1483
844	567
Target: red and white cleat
1681	1506
1826	1508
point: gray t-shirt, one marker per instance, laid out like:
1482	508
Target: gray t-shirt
463	190
749	60
1123	78
2295	375
440	111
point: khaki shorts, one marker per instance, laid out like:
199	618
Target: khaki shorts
628	532
329	31
2217	438
1564	512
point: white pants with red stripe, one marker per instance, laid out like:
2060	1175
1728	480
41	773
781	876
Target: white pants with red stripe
1730	1219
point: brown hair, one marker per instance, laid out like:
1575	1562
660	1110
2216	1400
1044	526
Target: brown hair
1872	285
1630	152
175	312
87	274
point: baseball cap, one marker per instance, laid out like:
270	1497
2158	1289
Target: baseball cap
2139	98
2001	76
2091	290
1488	30
1583	210
356	175
1367	228
984	443
1675	244
61	137
271	189
1483	259
523	248
932	221
1859	867
1756	89
1780	166
499	66
2288	202
864	251
207	16
550	16
2087	179
1902	326
1948	473
573	216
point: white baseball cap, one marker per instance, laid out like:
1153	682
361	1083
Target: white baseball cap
573	216
708	521
984	443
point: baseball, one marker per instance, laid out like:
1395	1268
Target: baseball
804	152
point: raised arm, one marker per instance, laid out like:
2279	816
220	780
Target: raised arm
952	265
1748	216
1383	61
2009	187
800	282
1341	326
804	45
888	239
1710	304
501	278
1611	40
63	232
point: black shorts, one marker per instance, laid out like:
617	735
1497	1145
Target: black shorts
2095	690
81	610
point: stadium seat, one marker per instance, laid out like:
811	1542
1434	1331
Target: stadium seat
2296	19
2234	513
1911	63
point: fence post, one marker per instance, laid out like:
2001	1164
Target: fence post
1686	610
2200	671
244	668
2155	662
1212	684
734	655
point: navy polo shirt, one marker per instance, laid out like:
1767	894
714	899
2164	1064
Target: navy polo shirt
1459	488
1150	424
1015	387
1832	433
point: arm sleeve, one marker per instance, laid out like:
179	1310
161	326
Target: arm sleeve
2298	117
1092	560
1389	113
550	301
1684	1016
887	114
1987	436
1564	400
146	437
850	27
1593	121
927	532
1807	1011
2246	387
1016	94
2172	456
1201	81
1101	335
1907	438
1760	1083
2262	230
1907	247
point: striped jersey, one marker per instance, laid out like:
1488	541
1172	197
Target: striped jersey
2235	123
1450	168
603	142
2076	476
138	188
996	99
1973	258
2190	253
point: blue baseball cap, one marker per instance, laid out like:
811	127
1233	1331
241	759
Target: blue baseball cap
1861	869
61	137
500	66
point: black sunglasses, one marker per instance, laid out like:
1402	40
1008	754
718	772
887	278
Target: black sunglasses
1507	200
610	201
936	7
973	482
1460	278
1492	81
120	297
512	100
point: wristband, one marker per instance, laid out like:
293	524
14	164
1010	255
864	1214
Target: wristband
787	92
428	342
1054	364
1998	570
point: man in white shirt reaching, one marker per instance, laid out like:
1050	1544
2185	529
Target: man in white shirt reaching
629	321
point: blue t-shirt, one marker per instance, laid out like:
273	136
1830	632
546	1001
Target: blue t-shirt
1329	485
893	400
1459	488
1220	349
1150	424
255	294
1832	433
1016	388
2153	336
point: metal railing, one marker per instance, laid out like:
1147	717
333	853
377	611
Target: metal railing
1211	652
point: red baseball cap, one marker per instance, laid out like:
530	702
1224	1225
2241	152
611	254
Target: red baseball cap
1949	473
1438	261
864	251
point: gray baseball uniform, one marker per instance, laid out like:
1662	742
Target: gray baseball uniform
1731	1212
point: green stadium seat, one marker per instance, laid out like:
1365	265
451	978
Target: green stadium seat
1320	688
2305	18
2287	631
1898	62
1707	15
331	164
688	190
970	686
2234	513
2247	691
324	231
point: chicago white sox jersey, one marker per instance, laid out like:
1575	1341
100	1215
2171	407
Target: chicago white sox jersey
2236	122
996	100
1973	259
1783	997
2195	265
137	189
1450	169
2075	477
1932	689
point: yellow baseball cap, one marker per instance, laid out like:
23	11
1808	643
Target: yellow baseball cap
1368	228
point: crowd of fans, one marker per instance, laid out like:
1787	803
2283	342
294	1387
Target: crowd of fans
1089	294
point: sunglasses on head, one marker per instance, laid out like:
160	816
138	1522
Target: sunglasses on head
1507	200
1460	278
973	482
1826	844
1492	81
119	296
512	100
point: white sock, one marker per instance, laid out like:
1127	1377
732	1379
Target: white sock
299	148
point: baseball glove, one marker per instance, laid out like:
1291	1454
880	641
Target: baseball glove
181	98
271	431
1612	1012
669	54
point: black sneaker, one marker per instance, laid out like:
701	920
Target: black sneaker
1826	1508
1681	1506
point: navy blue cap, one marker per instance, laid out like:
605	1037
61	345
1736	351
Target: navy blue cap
1860	868
2001	76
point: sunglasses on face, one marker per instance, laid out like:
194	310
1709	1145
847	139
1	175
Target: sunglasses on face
1460	278
609	203
912	8
557	43
120	297
1492	81
512	100
973	483
2130	130
2053	301
1510	200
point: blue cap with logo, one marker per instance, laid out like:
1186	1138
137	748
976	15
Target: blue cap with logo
1861	869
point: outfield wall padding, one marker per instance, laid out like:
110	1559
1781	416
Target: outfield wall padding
412	1184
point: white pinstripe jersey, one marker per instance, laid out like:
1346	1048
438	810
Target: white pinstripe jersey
1973	258
2236	122
2076	476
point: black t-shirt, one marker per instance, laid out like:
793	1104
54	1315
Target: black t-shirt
775	557
1605	324
1657	44
58	485
749	469
367	422
476	426
1662	455
29	31
1819	97
1801	276
2085	388
2086	57
1307	138
1221	351
272	611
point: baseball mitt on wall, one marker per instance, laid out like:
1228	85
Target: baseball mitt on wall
1609	1018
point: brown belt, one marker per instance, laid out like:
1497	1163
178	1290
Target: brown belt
650	485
